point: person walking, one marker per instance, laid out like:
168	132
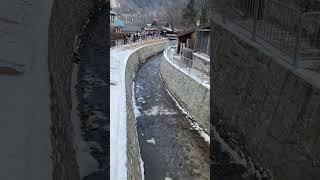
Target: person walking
125	39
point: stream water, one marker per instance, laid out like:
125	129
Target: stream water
170	147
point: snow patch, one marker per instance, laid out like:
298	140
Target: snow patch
141	100
152	112
177	104
151	141
156	110
139	87
118	113
141	167
167	178
196	127
136	111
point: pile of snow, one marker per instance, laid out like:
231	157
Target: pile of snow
151	141
118	125
136	110
156	110
137	113
200	131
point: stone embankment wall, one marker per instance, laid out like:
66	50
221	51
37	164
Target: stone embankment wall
192	95
67	19
133	150
267	106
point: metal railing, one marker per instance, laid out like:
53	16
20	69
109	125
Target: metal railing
194	68
283	26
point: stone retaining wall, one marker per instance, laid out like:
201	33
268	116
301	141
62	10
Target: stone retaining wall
192	95
263	105
201	63
133	150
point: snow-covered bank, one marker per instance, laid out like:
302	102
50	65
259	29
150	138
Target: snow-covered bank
194	125
118	110
137	113
118	133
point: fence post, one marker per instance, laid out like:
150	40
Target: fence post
298	36
255	18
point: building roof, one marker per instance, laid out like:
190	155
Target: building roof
113	13
166	28
186	32
204	28
154	24
150	29
118	22
192	30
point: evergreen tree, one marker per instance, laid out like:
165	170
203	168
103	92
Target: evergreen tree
189	14
204	17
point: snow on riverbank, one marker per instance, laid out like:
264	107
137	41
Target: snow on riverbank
136	110
137	113
194	125
118	113
118	132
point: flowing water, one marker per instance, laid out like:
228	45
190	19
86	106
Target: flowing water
170	147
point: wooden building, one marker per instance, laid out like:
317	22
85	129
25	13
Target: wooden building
195	40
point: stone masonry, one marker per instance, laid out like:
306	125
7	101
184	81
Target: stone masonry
192	95
133	149
266	106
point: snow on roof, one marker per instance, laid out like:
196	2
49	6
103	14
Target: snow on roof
167	29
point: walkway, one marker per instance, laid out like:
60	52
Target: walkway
170	147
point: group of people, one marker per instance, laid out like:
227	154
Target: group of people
138	36
135	37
